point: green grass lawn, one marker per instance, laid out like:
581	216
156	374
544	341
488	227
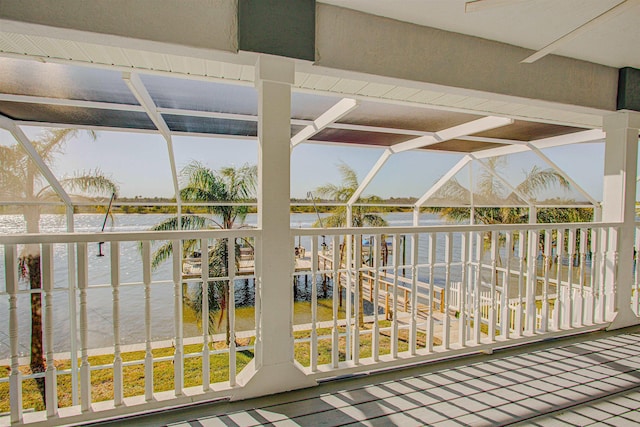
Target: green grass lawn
163	373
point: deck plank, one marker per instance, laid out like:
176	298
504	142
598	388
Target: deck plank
550	383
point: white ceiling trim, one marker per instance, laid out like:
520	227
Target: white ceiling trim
309	78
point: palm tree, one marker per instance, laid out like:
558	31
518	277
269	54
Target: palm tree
203	185
361	215
20	180
492	191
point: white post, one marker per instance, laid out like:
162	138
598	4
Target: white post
118	385
15	377
73	324
148	355
85	371
273	369
204	275
178	355
619	197
51	383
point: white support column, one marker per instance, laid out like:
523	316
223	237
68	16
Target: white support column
273	369
619	197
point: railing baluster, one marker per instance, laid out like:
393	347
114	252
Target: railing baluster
505	314
546	258
314	304
394	324
337	290
85	367
610	283
446	323
519	310
532	254
231	306
583	262
73	323
375	339
570	309
51	381
432	276
349	295
477	314
604	247
494	279
414	295
148	355
118	391
15	377
178	356
204	315
594	247
257	289
558	308
636	288
357	265
462	290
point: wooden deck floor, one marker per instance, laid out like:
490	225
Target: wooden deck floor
592	379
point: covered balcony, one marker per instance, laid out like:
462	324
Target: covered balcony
298	306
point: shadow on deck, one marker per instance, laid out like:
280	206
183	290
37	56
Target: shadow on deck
581	380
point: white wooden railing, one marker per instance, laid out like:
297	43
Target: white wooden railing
470	288
445	290
197	351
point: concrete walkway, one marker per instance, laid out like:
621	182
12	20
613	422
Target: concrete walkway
592	379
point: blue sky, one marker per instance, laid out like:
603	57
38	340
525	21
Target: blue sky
139	163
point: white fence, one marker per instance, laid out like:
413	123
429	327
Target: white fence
171	369
436	291
454	289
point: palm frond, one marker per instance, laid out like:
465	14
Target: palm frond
361	215
90	182
189	222
349	176
453	191
538	179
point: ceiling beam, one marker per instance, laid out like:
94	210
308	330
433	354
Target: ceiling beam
386	154
138	89
23	140
469	128
588	26
592	135
209	114
136	86
339	110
